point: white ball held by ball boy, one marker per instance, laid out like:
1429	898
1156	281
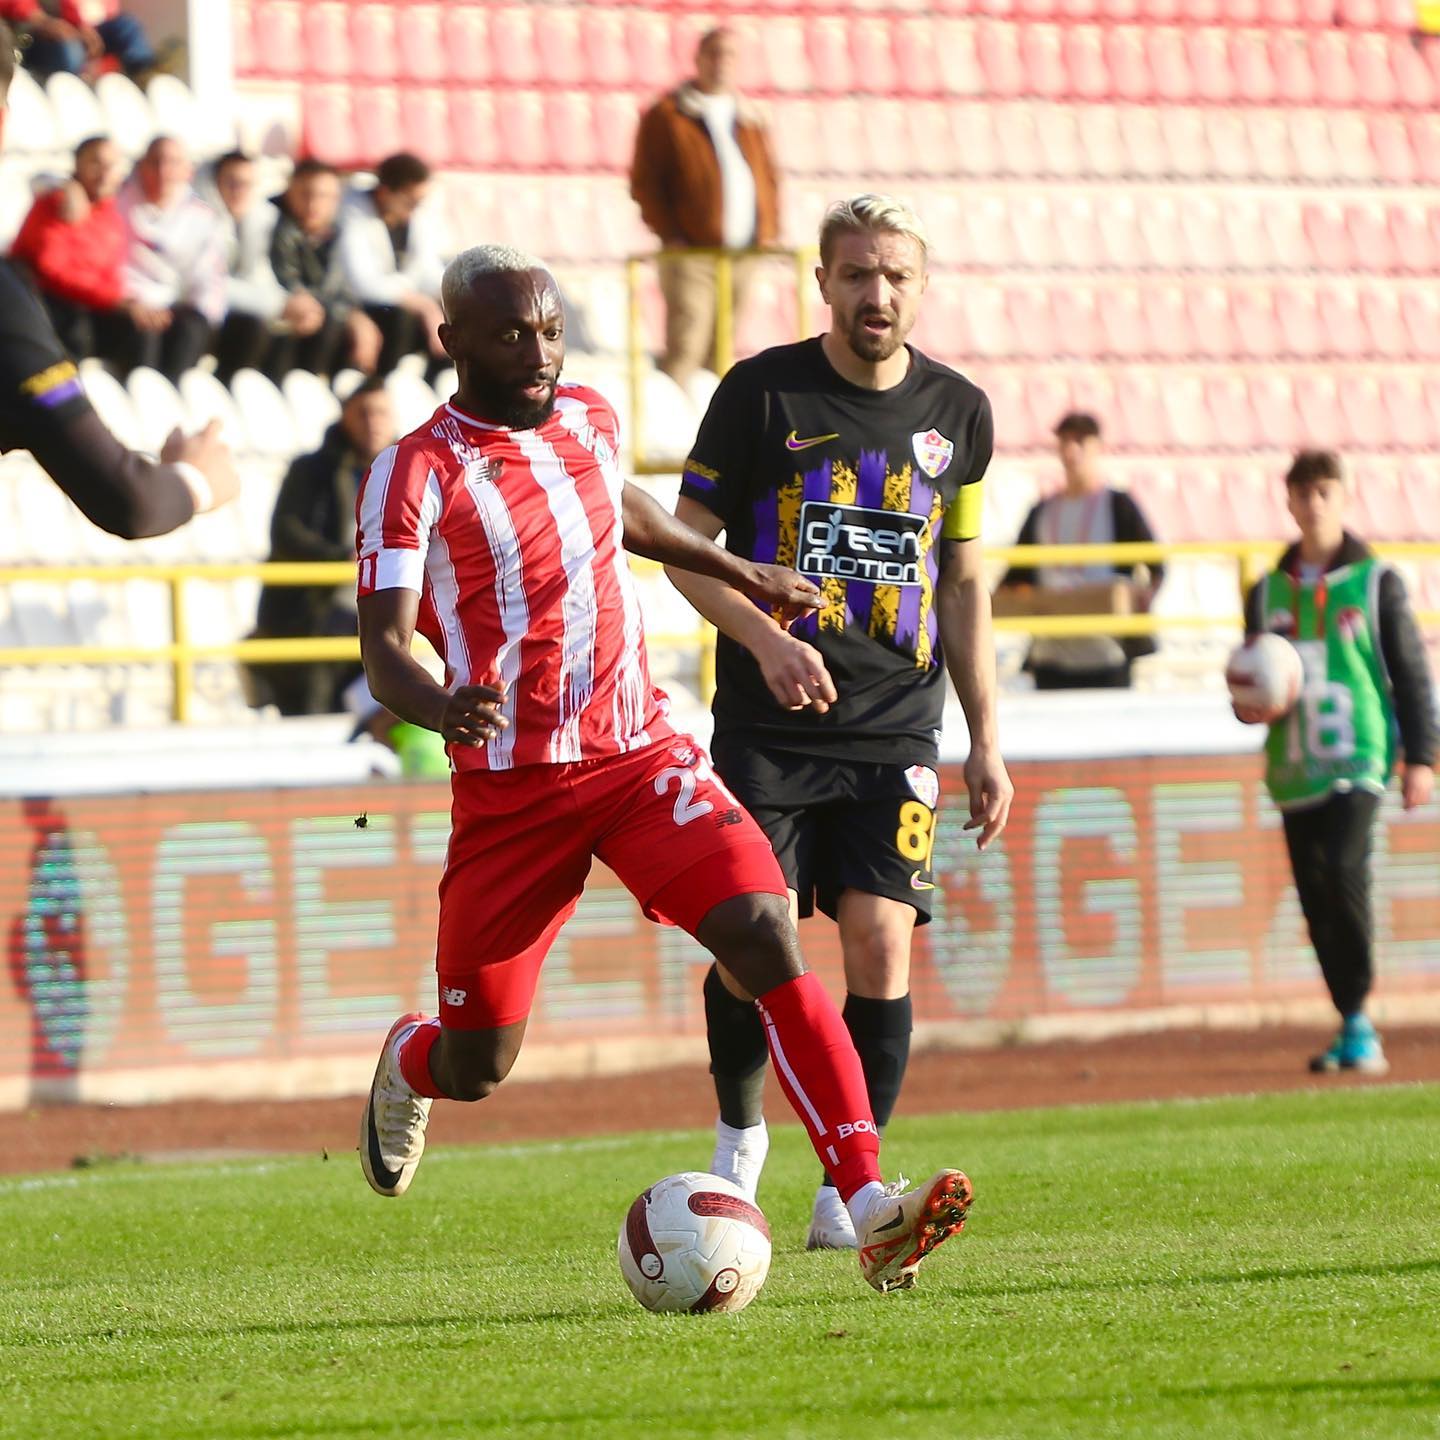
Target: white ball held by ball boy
1265	676
696	1243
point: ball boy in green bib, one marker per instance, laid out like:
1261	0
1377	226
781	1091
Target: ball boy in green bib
1367	691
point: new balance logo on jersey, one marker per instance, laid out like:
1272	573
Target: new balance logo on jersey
851	542
450	996
848	1128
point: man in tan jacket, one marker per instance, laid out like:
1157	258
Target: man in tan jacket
703	177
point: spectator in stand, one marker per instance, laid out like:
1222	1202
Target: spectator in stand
73	243
703	177
175	263
73	34
392	257
314	519
255	305
305	257
1085	512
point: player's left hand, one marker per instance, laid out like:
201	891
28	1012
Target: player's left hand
990	795
782	590
1417	784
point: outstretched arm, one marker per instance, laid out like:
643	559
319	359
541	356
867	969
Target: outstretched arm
962	606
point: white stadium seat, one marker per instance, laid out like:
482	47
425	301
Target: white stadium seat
76	108
414	400
265	415
30	126
158	407
313	407
206	399
207	129
112	403
129	119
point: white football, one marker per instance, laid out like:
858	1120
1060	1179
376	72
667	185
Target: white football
1265	674
694	1242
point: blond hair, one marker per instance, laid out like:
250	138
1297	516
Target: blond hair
475	263
866	213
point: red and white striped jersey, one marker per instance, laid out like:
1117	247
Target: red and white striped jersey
512	540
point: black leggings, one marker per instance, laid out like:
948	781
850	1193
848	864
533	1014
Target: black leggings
1330	856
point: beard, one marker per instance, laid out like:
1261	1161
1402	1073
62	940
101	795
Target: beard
871	347
504	405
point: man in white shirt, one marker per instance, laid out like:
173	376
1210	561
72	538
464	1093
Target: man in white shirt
704	178
392	254
175	271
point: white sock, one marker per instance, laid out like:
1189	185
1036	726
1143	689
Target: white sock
860	1203
742	1141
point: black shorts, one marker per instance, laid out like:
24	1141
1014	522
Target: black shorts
840	824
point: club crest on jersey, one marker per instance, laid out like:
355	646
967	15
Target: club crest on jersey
484	471
1282	622
933	452
1350	622
925	783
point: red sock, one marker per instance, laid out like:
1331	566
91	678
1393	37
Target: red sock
415	1058
819	1071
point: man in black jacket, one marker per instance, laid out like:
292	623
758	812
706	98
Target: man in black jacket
43	409
1085	512
315	520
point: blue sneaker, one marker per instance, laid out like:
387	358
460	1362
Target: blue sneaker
1356	1047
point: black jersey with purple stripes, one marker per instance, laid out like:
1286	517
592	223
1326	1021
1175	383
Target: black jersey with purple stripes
852	488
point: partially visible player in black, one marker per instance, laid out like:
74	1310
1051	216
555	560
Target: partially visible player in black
858	461
43	409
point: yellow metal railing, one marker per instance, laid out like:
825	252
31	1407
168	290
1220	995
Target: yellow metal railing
801	260
1250	558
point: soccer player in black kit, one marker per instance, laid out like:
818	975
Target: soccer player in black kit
858	461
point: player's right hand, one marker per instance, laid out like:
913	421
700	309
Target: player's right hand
472	716
795	673
784	591
1253	714
210	455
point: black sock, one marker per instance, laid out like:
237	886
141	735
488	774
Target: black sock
881	1032
737	1054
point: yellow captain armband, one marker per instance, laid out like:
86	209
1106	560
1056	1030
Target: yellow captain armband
962	519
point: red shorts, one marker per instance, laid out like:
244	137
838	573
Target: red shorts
521	843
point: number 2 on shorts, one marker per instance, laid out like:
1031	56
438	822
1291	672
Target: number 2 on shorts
915	839
687	808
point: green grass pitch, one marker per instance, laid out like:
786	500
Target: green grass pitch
1261	1267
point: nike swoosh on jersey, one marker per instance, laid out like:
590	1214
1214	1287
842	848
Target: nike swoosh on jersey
916	883
794	442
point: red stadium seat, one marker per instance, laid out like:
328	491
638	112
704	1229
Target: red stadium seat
1295	82
1075	234
560	49
1374	79
1285	225
422	44
1019	141
1170	65
1122	323
1340	313
476	142
242	37
1256	326
1358	14
1142	411
890	141
873	65
1227	139
1411	425
1210	65
1078	328
1212	322
787	66
943	326
1380	309
1386	507
1390	144
1041	242
1059	136
520	115
1043	57
1363	408
329	124
1269	144
1272	397
1186	143
1232	417
373	41
1415	249
1310	142
1350	140
1422	319
1369	226
987	327
425	126
972	129
795	134
1334	77
1182	398
1167	318
1255	81
1193	235
1100	137
846	137
1117	226
958	43
602	37
377	122
1328	235
1032	325
1247	235
1147	154
617	115
1093	390
1000	62
279	47
570	131
1414	81
829	51
1128	63
989	237
1085	62
466	31
327	39
1424	132
1047	398
515	57
1298	314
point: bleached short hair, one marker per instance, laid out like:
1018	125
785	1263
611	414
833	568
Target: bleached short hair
864	214
469	265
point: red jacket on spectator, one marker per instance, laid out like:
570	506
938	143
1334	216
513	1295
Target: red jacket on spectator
80	262
76	12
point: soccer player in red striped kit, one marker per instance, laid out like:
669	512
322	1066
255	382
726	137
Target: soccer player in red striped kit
498	530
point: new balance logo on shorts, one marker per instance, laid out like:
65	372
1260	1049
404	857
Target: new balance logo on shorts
847	1128
450	996
852	542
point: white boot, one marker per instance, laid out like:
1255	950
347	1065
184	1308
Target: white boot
831	1227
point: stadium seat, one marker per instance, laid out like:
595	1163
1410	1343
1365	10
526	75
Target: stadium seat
425	126
1256	326
515	55
422	44
1089	77
413	399
329	124
1100	137
376	113
30	125
1422	320
1329	53
1390	144
1255	81
1212	323
1031	323
157	405
1311	145
872	62
1187	417
1285	226
1374	79
1298	314
466	44
1272	397
976	149
1415	86
1381	309
571	141
1042	55
1367	420
1127	63
1208	52
76	109
374	42
602	36
1167	321
268	426
1169	65
1415	247
1424	132
208	128
1190	234
1328	235
1268	144
1409	420
474	127
1000	63
1187	148
1019	141
313	408
1344	324
1122	324
1317	403
1350	141
327	39
112	404
1073	231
